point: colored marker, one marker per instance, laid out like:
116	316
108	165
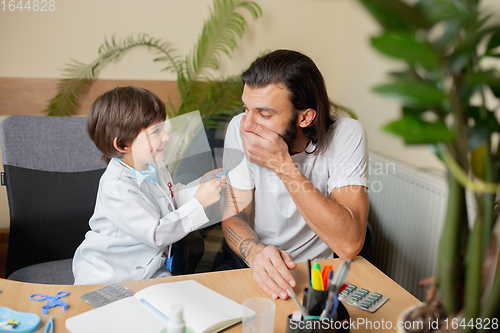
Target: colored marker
316	280
325	272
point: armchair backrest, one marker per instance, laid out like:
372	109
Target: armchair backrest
51	170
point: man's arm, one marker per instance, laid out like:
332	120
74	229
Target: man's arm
340	220
236	221
270	266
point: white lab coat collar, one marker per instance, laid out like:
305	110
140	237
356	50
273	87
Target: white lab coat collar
156	189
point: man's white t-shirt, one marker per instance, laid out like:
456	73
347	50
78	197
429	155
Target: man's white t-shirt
277	219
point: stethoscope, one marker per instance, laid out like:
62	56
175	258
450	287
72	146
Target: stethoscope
147	175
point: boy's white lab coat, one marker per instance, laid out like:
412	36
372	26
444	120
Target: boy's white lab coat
133	223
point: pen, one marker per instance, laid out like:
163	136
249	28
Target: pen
335	306
155	310
337	282
330	277
309	271
296	300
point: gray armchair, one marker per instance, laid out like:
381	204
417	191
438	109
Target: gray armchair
52	171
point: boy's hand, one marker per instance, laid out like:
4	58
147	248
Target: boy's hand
211	174
209	192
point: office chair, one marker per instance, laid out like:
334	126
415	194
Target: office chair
52	171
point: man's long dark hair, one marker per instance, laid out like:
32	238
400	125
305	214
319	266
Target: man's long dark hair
305	84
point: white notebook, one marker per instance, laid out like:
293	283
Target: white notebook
204	311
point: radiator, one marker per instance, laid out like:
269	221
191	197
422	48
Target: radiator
407	210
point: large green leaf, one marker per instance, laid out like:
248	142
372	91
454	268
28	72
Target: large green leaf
494	40
412	92
416	131
402	45
485	118
441	10
480	130
395	14
486	78
413	111
467	47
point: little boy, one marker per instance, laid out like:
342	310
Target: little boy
138	212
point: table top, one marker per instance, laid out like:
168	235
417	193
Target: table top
237	285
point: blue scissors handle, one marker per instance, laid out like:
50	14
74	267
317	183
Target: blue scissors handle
42	297
39	297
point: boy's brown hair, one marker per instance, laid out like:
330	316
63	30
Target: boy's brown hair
122	113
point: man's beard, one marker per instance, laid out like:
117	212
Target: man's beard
290	135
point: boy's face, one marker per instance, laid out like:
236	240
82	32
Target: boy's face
148	147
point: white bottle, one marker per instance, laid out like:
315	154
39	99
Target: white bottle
176	323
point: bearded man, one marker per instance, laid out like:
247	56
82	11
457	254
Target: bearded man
301	190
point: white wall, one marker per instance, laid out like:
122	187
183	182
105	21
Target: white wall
334	33
37	44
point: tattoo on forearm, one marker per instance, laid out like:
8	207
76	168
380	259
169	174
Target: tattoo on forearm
240	220
243	216
246	247
231	205
232	237
233	200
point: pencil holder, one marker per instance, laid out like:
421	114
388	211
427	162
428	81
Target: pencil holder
312	324
314	301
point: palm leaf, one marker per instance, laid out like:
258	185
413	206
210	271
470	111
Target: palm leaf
219	35
223	100
79	75
198	90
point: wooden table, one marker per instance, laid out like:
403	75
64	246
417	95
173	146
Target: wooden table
237	285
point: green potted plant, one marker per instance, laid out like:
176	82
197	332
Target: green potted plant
215	98
446	88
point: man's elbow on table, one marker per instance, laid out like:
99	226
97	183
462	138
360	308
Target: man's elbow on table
351	249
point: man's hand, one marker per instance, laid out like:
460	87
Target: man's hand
270	268
263	146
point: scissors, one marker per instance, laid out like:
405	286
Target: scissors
52	301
